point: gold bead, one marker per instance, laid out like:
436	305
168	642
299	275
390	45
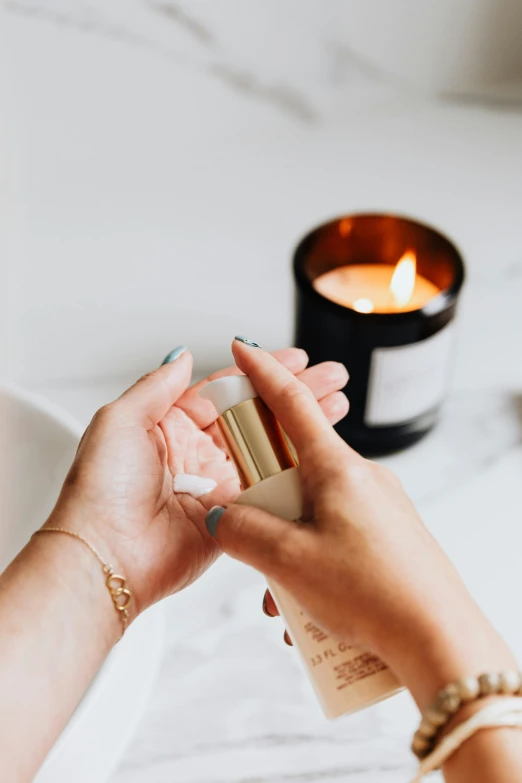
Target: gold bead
435	716
468	688
449	699
489	683
427	729
509	682
420	746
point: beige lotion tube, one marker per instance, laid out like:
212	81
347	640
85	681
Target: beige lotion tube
345	679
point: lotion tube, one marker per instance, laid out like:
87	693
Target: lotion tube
344	678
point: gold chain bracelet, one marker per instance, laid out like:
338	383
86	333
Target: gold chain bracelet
116	583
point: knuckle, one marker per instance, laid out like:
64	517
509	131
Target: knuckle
387	474
365	471
104	414
147	376
359	472
293	391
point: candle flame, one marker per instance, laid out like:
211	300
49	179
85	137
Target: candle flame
363	305
403	278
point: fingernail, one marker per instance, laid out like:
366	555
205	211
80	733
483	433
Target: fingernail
246	341
287	639
265	610
212	519
173	355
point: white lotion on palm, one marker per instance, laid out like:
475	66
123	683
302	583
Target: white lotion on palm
188	484
345	678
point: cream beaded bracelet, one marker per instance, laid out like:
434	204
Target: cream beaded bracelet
506	713
116	583
451	698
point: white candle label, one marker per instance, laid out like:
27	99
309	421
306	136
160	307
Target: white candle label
407	380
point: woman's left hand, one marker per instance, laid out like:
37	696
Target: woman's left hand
119	491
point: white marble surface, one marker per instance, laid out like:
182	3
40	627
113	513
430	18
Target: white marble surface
232	705
163	159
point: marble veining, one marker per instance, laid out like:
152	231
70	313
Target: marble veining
93	20
176	14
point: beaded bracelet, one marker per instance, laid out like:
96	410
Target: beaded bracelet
452	697
116	584
503	713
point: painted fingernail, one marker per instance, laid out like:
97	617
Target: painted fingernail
173	355
287	639
265	610
246	341
212	519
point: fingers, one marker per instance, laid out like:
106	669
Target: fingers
291	401
269	605
147	402
324	378
202	411
257	538
335	407
271	610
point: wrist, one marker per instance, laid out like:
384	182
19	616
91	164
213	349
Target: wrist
68	565
100	534
444	647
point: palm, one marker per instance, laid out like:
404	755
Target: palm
166	532
191	450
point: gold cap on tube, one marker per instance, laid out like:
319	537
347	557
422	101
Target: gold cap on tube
255	442
253	438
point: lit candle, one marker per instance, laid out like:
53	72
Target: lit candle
361	301
378	288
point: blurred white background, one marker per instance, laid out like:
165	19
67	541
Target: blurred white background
165	157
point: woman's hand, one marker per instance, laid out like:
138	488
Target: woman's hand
362	565
119	492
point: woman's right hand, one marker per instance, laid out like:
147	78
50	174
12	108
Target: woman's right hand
362	565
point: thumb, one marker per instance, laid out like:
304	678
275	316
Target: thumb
257	538
150	399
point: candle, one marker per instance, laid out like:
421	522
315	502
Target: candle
379	293
378	288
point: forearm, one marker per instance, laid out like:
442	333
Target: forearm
58	624
442	650
489	756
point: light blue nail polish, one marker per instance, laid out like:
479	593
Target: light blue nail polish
173	355
212	519
246	341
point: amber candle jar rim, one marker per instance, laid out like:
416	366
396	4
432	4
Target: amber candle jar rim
438	304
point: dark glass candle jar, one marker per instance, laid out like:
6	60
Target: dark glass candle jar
398	361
